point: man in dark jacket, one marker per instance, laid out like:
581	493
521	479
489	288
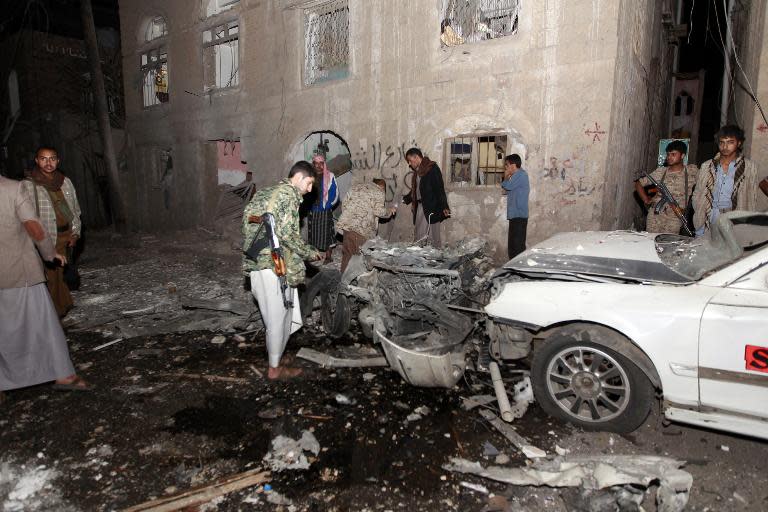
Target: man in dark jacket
427	197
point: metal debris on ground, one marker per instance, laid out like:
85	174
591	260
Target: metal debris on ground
346	357
511	434
287	453
595	473
474	401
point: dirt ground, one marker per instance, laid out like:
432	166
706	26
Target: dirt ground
175	410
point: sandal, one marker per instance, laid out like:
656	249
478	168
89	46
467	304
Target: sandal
77	384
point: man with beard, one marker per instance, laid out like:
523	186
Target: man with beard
55	203
427	198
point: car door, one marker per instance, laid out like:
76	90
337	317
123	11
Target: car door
733	347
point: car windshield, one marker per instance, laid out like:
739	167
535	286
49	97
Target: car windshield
734	236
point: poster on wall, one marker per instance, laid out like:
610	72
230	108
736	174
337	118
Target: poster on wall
661	159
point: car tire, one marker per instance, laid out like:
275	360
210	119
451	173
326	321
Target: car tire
588	384
323	282
336	314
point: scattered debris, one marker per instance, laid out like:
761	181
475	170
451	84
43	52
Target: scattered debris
475	487
356	357
28	487
212	378
287	453
516	439
219	339
725	448
203	494
471	402
595	473
489	450
105	345
241	308
343	399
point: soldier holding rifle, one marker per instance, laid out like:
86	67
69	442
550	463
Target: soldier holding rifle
274	260
667	214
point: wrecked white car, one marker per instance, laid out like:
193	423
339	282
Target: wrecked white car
614	318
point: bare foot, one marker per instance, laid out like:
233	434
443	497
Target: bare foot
283	373
72	383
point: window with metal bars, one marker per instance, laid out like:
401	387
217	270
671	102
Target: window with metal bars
213	7
469	21
476	160
326	42
221	57
154	71
156	28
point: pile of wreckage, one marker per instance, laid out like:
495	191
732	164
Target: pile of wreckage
423	307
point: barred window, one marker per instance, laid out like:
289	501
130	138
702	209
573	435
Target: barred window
221	58
213	7
154	71
476	160
326	42
468	21
156	28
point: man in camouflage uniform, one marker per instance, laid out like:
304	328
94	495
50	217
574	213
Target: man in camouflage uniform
282	201
363	206
679	179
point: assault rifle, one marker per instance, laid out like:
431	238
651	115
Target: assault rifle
267	222
668	198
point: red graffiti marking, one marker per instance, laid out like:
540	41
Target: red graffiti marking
762	128
596	133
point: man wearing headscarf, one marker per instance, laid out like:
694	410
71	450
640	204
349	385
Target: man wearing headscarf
320	231
427	198
55	203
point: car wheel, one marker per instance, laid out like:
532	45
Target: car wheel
590	385
323	281
336	314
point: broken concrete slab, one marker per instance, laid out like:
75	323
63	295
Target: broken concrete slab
595	473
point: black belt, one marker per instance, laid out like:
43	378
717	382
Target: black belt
62	229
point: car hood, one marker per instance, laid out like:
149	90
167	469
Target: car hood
596	256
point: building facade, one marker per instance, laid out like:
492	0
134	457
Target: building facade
215	88
37	63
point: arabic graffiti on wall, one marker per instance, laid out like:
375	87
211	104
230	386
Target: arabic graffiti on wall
386	160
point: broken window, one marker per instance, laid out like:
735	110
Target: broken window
476	160
156	28
221	58
468	21
213	7
154	71
326	42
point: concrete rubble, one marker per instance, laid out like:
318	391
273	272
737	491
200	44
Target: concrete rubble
145	291
287	453
595	473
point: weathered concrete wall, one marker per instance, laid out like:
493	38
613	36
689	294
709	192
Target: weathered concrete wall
640	97
551	88
750	22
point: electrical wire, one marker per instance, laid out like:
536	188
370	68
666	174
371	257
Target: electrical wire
753	95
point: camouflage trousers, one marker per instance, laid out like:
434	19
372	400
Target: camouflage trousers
665	222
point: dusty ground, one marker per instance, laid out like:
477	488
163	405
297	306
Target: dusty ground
153	427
